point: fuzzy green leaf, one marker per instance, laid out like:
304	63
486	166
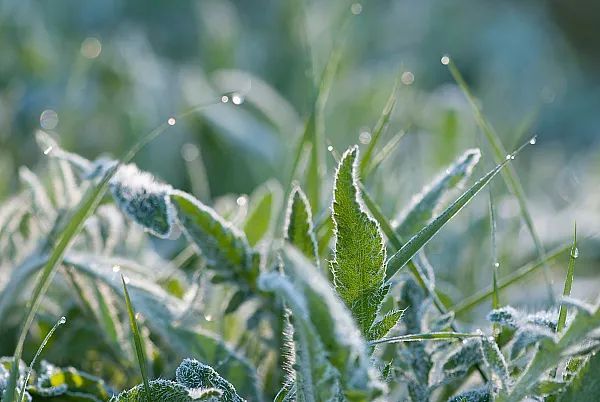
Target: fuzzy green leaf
585	385
359	261
299	229
223	246
316	379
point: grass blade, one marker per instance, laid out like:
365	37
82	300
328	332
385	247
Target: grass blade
137	338
366	164
562	313
510	175
472	301
495	263
418	241
432	336
61	321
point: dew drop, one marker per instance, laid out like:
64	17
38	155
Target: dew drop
407	78
496	265
138	316
48	150
116	268
237	99
62	320
330	148
364	137
171	121
49	119
445	59
575	253
208	317
512	157
224	98
356	8
127	280
189	152
91	48
533	140
241	200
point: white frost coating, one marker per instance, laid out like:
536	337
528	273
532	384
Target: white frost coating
145	200
437	189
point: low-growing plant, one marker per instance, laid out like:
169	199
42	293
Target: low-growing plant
319	308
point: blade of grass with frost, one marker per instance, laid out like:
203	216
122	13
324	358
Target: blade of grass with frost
61	321
138	342
384	153
514	277
379	129
410	249
431	336
65	239
358	266
425	205
265	203
299	229
562	313
510	175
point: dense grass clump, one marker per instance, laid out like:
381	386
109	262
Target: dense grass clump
323	300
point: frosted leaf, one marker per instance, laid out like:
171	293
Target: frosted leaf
143	199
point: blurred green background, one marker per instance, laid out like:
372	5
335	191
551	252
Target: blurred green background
100	74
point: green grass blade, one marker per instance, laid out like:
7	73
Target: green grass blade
384	153
410	249
380	127
66	238
562	313
432	336
479	297
61	321
137	339
495	263
425	205
510	175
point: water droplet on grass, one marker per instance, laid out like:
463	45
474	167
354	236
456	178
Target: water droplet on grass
330	148
533	140
116	268
575	253
496	265
48	150
445	59
241	200
49	119
237	99
407	78
91	48
62	320
224	98
171	121
356	8
364	137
